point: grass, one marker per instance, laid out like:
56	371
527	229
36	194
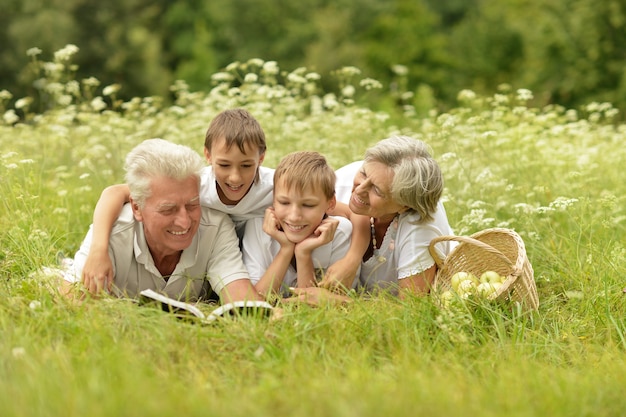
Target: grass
552	174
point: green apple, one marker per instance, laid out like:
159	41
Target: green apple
457	278
466	288
485	289
490	276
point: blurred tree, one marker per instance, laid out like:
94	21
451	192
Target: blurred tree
486	50
566	51
119	41
575	50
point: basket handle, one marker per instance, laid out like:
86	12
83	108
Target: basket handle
464	239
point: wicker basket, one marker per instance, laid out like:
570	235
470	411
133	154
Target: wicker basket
498	249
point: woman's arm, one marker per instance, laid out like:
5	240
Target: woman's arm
98	270
343	272
418	284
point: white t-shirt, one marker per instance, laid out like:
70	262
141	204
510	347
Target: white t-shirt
259	250
252	205
213	255
404	249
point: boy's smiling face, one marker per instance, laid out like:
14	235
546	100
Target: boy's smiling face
300	212
235	171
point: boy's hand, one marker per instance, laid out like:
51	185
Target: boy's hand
271	226
324	234
97	272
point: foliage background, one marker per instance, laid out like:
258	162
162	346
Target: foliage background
570	52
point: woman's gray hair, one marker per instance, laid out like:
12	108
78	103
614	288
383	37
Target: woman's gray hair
417	181
154	158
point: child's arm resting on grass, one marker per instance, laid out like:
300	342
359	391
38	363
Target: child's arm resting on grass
98	270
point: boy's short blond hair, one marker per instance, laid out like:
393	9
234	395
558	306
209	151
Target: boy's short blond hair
236	127
306	170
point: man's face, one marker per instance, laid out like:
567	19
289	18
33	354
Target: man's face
235	171
171	215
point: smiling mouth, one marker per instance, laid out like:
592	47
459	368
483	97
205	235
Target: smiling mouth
179	233
234	187
358	200
294	228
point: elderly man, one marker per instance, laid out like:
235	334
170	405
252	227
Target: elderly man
163	239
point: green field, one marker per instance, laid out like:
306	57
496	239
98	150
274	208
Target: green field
552	174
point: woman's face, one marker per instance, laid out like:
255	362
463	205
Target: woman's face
371	192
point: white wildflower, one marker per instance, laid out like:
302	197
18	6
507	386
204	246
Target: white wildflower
62	193
23	102
313	76
500	99
34	305
27	161
18	352
66	53
466	95
10	117
5	95
98	104
562	203
270	68
257	62
370	84
348	91
400	70
524	94
250	78
296	79
33	52
91	82
64	100
111	89
221	77
350	71
233	66
330	101
83	176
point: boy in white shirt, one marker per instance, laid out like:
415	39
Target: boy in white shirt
296	241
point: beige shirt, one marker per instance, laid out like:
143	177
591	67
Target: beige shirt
213	256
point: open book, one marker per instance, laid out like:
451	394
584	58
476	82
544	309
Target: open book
237	308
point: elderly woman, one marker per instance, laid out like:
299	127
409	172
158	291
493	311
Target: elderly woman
398	187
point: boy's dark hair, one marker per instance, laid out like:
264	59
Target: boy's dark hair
236	127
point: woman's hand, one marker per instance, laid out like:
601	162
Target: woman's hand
341	274
315	296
